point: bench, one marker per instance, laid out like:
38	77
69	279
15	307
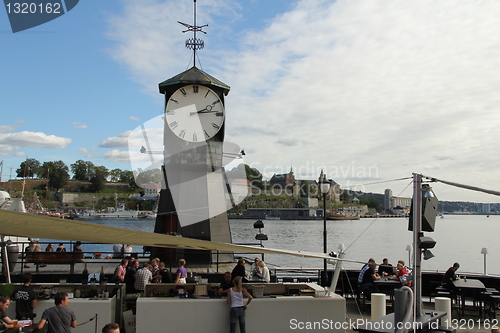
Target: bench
56	258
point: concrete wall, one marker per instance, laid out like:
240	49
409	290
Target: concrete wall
280	314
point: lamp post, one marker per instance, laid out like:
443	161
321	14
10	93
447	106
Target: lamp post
409	248
324	186
484	251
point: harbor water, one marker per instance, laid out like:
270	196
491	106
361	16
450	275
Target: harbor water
459	238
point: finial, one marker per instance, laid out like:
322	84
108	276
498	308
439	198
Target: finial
194	43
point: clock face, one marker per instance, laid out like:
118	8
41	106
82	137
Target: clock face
194	113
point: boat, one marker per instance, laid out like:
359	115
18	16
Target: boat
118	213
272	218
12	204
341	216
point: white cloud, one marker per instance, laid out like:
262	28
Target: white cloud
116	155
116	142
79	125
7	150
394	85
6	128
34	139
134	118
20	121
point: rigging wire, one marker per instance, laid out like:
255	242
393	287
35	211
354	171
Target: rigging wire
467	187
380	182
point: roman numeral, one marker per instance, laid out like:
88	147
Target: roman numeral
206	133
170	112
214	125
217	101
195	89
182	134
183	91
173	124
173	100
219	114
195	138
207	93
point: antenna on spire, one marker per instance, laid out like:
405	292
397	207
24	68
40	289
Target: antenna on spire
194	43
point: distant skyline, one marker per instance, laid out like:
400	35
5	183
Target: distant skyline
367	90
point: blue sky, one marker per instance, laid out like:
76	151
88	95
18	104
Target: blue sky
369	90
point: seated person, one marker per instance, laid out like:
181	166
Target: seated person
450	276
367	285
227	284
385	269
401	274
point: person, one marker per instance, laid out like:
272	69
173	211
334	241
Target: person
226	284
117	251
450	276
49	248
111	328
127	250
131	261
181	273
142	277
4	305
367	282
155	270
130	278
255	272
385	269
235	299
240	270
35	245
26	299
60	318
401	274
78	247
119	274
265	275
61	248
166	276
363	270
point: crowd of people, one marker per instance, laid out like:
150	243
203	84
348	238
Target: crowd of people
58	319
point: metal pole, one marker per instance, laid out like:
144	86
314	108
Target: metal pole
417	253
5	256
485	264
325	283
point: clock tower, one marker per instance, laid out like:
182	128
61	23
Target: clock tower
193	202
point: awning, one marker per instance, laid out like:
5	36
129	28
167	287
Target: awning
31	225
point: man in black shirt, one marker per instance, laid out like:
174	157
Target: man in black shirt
166	276
450	276
26	299
240	270
227	284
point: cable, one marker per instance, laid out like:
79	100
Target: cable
467	187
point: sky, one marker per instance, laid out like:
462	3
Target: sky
369	91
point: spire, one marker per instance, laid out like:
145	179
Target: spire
194	43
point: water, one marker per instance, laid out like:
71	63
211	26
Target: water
459	238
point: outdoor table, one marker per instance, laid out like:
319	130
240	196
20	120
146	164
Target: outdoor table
387	285
468	285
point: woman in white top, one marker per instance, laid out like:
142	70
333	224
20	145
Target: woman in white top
235	299
264	271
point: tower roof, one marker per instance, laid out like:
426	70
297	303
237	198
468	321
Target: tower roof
193	75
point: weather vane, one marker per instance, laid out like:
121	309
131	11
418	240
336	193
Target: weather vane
194	43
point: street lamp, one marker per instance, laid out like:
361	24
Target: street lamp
484	251
324	186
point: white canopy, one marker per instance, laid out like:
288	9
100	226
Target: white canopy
30	225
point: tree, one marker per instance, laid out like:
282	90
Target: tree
28	168
57	172
98	178
254	176
115	175
127	176
82	170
